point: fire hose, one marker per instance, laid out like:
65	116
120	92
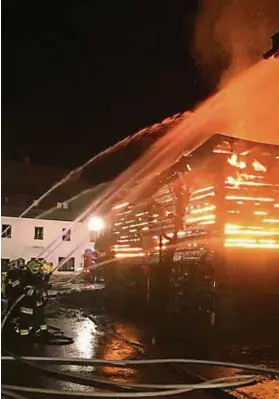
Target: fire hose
230	382
56	338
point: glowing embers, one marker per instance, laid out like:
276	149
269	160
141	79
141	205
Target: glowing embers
250	237
260	213
202	196
239	230
120	206
223	148
129	240
255	245
202	210
118	248
200	218
202	190
129	255
240	181
125	251
248	198
258	166
134	225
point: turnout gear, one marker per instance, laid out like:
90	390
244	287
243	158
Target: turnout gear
32	315
28	279
13	289
4	302
47	268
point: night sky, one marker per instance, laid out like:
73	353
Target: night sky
79	75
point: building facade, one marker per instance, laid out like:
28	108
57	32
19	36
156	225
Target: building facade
47	230
60	242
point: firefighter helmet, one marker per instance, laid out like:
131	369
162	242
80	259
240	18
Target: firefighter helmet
34	266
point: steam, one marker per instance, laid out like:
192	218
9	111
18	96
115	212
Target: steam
231	35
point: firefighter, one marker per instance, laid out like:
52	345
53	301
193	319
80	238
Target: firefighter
13	289
47	268
32	315
4	302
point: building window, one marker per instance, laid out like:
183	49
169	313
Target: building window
4	264
38	233
6	231
66	235
68	266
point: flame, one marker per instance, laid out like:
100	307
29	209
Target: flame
240	181
235	197
258	166
200	218
181	233
208	222
202	190
120	205
250	236
233	161
202	210
129	255
140	214
252	232
211	194
127	249
232	180
255	245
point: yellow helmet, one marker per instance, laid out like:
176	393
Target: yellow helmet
34	266
47	267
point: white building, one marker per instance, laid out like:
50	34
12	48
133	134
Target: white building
53	240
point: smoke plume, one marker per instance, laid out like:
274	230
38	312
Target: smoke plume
231	35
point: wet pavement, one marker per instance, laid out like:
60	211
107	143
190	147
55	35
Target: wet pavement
99	336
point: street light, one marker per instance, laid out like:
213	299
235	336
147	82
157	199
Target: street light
96	224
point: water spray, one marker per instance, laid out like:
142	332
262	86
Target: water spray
120	144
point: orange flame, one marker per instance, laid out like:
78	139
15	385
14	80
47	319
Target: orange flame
258	166
233	161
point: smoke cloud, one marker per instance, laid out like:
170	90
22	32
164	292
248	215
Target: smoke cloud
231	35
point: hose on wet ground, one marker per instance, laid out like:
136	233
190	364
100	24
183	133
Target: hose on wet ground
56	338
165	390
231	382
213	384
11	394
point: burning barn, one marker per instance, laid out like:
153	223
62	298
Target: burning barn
203	240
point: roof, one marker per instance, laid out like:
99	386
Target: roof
200	157
76	206
246	109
